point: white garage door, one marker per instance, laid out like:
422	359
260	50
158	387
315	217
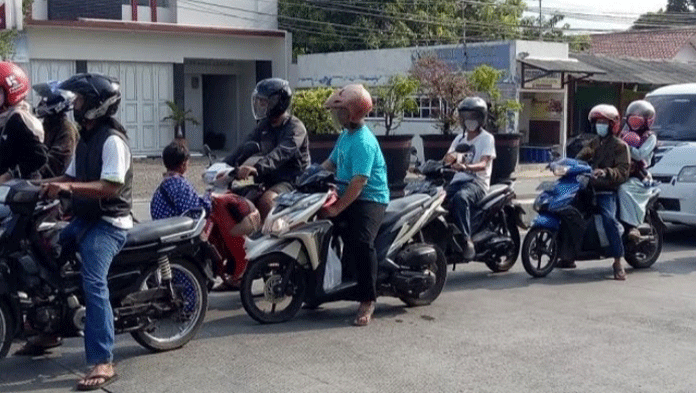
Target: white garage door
145	89
49	70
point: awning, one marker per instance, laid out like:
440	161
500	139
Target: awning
570	69
642	71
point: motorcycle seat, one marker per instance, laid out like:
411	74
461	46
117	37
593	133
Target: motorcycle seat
495	191
399	207
153	231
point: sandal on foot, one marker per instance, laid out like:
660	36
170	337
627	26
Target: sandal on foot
619	273
364	314
106	380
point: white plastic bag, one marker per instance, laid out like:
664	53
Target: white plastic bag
332	274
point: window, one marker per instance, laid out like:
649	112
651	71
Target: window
428	108
146	3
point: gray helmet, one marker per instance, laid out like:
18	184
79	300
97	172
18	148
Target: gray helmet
53	100
473	108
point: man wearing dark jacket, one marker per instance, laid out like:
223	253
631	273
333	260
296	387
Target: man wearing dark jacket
610	159
60	134
282	139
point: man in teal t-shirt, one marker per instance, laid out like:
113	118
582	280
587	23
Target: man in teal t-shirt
358	161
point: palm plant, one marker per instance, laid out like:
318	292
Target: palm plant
179	117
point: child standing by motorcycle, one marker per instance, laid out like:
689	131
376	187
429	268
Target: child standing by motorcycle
357	161
609	158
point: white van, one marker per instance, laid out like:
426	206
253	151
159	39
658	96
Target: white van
675	115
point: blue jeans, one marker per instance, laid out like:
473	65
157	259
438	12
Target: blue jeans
463	200
98	243
606	201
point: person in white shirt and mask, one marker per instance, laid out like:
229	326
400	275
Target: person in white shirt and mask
475	165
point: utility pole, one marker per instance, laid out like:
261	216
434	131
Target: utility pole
541	31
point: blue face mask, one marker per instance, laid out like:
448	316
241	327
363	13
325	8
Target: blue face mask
602	129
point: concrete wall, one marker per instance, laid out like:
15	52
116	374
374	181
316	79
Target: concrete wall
256	14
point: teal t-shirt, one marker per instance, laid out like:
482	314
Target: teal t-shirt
358	153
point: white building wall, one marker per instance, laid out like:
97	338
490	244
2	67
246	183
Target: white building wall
255	14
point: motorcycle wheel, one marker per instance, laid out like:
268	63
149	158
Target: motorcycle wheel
507	229
181	327
265	296
644	255
6	328
538	243
439	268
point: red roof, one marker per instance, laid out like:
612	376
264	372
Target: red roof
645	44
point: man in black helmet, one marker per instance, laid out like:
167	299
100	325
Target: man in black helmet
474	163
99	178
283	141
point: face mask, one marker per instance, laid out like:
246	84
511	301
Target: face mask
471	125
602	129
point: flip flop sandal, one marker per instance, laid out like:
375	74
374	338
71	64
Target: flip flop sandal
364	315
619	274
108	379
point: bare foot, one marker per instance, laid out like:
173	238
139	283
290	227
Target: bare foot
619	272
364	313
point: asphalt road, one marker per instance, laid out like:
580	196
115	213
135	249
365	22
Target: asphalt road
573	331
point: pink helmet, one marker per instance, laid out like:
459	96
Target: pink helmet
355	98
606	112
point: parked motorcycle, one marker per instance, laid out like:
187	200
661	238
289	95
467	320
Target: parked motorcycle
299	259
157	283
566	226
494	222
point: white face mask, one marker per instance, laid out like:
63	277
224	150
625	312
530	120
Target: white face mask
471	125
602	129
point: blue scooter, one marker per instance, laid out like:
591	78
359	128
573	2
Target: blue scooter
569	226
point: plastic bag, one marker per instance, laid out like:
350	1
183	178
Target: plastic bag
332	274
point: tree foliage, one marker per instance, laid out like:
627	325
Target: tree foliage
308	106
179	117
395	98
484	79
442	83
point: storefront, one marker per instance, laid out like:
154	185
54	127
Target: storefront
544	97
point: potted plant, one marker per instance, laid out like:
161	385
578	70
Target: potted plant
179	117
443	84
391	101
308	106
484	79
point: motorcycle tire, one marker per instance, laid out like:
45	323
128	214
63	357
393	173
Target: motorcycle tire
427	297
266	275
192	287
632	255
508	263
530	241
6	328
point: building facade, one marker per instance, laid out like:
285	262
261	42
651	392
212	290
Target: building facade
206	56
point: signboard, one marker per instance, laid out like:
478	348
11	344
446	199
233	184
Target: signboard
550	81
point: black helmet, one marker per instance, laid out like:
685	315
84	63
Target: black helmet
53	99
271	98
640	115
101	94
473	108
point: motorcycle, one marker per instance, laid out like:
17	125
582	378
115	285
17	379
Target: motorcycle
566	227
157	282
298	261
494	222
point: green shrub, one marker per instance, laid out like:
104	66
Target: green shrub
308	106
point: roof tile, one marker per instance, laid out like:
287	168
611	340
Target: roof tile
645	44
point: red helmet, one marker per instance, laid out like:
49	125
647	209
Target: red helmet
14	82
355	98
606	112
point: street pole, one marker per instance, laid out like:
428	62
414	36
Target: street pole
541	33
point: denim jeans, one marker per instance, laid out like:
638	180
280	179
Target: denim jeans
606	201
98	242
462	201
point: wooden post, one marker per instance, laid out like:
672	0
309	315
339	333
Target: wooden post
153	10
134	10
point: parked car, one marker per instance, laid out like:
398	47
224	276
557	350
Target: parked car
675	116
676	170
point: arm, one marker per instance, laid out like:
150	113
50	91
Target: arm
30	154
618	174
588	151
61	151
329	165
478	167
234	158
645	150
352	193
293	137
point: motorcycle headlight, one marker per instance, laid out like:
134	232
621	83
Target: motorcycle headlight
560	170
687	175
276	227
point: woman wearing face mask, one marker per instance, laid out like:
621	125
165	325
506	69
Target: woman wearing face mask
466	191
610	159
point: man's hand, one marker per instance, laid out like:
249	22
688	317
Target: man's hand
5	177
51	190
599	173
245	171
460	167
